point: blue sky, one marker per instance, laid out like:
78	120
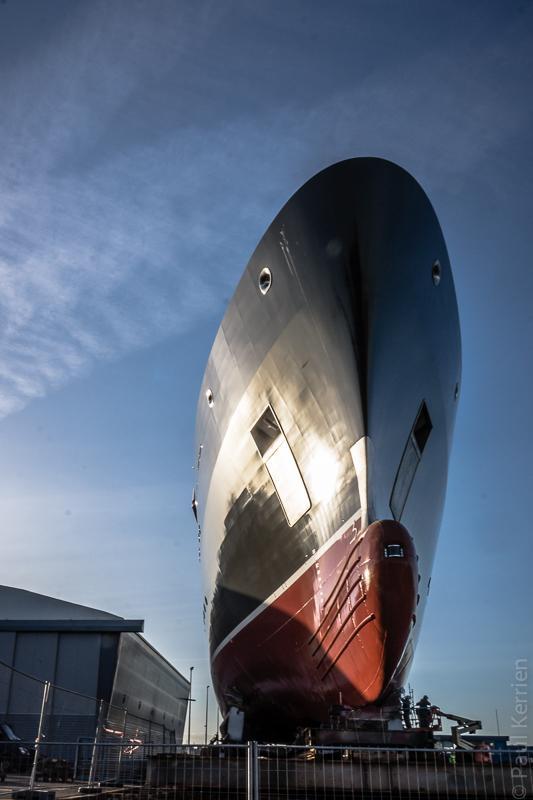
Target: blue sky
145	147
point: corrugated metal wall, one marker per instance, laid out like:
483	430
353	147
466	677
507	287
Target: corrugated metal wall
84	668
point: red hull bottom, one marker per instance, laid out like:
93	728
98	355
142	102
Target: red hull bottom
337	631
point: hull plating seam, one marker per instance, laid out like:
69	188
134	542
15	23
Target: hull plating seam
318	630
356	605
361	625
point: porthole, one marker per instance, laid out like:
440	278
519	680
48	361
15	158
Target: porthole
265	280
456	392
436	273
209	397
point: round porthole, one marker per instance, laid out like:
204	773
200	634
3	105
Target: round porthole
265	280
436	273
209	397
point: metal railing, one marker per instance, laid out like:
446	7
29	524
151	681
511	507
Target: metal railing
142	771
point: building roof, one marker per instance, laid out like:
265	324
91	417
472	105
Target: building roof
23	610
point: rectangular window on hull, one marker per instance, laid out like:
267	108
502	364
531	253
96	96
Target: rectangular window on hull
422	428
266	432
281	465
393	551
412	454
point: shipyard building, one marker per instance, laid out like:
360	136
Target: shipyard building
103	674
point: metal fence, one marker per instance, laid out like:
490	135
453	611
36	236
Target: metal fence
52	734
141	771
65	715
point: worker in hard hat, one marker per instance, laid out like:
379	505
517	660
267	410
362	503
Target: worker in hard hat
406	711
423	712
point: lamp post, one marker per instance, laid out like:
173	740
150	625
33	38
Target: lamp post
206	712
190	706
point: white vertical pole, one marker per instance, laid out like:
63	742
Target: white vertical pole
255	772
95	745
122	741
249	778
46	691
252	772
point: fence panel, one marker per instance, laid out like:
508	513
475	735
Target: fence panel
290	772
142	771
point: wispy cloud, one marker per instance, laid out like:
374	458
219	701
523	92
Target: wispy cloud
93	262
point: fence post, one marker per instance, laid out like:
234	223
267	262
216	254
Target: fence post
122	744
95	745
252	772
249	781
46	691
